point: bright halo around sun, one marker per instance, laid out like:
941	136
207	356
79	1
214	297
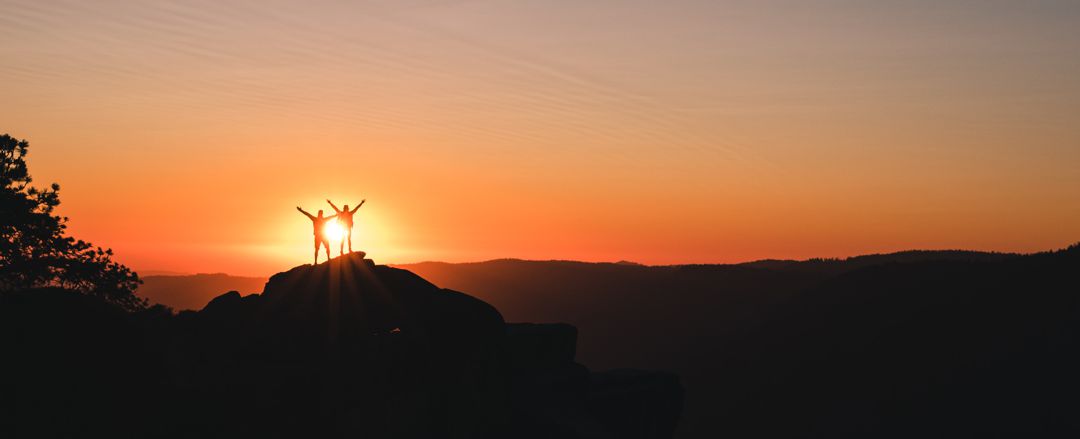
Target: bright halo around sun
333	230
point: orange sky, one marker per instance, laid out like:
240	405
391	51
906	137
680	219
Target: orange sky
184	133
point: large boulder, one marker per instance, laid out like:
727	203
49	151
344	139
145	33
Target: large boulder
350	347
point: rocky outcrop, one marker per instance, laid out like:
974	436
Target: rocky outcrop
350	347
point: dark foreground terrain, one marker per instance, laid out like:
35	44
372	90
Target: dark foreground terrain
343	349
912	344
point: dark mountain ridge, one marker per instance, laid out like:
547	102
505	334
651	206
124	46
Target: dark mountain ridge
830	265
840	265
193	291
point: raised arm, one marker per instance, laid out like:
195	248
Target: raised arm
358	206
332	205
305	213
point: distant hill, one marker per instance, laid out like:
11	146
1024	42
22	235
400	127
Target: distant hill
194	291
839	265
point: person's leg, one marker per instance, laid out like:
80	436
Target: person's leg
341	248
326	243
316	251
350	239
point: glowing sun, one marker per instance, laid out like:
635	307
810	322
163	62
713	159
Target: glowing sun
333	230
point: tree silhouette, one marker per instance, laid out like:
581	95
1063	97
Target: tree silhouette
34	250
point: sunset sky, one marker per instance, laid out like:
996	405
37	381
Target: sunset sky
184	133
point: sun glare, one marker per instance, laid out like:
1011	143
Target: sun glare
333	230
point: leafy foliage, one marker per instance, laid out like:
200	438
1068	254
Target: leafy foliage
34	249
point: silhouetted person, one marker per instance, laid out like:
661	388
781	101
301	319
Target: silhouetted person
319	222
345	217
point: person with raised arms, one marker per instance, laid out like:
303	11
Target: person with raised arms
319	223
345	219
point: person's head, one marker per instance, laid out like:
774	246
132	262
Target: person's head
346	207
320	213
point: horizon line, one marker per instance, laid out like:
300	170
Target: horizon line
173	273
